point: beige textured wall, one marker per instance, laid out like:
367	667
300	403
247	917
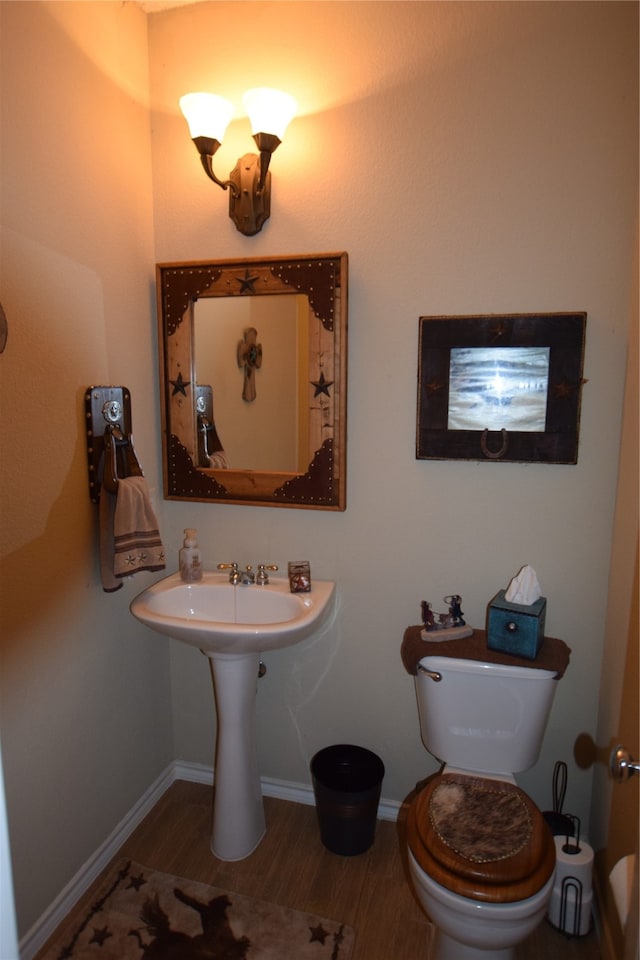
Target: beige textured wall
84	690
470	157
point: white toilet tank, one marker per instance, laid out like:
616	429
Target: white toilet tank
483	717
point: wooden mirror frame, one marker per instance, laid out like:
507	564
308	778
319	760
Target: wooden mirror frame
323	278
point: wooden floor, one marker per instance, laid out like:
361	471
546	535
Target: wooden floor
371	892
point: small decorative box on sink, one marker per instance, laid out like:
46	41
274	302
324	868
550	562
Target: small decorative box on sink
515	628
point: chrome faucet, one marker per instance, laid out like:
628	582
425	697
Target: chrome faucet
263	576
234	573
247	577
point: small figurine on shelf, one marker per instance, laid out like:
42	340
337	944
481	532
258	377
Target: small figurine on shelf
444	626
455	612
428	618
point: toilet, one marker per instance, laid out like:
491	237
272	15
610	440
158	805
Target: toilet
481	856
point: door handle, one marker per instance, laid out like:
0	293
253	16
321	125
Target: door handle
621	765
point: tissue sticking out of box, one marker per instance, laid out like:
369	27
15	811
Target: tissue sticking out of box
524	587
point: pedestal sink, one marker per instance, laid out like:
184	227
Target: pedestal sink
232	625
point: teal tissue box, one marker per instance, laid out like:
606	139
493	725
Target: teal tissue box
514	628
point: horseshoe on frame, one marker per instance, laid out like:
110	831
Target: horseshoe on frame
494	454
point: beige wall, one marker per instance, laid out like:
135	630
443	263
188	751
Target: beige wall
470	158
84	698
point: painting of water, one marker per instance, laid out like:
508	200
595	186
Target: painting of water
498	388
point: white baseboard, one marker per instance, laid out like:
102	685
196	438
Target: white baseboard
271	787
45	926
92	868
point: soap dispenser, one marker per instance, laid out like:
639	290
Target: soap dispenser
190	563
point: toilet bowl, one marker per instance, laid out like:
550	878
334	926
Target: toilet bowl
468	930
481	856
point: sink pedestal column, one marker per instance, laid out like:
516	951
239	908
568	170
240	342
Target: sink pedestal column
238	811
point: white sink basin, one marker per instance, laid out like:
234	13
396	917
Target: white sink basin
233	626
218	617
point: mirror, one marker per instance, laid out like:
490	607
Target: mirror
253	377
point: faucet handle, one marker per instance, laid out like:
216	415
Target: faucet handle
234	576
263	576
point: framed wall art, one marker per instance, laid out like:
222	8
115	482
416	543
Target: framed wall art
500	387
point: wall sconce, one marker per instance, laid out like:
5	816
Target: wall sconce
249	183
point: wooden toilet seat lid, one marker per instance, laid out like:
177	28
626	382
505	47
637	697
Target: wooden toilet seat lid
484	839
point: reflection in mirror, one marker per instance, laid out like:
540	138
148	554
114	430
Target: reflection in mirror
211	453
253	380
267	430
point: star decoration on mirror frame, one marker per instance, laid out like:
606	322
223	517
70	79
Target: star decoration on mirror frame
565	389
321	385
247	282
498	330
433	386
179	385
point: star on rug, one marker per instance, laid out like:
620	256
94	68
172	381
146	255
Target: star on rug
140	914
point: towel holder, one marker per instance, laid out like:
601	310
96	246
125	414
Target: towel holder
110	451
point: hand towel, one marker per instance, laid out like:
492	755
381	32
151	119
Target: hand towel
129	535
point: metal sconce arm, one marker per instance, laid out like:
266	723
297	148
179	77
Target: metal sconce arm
206	147
266	144
249	184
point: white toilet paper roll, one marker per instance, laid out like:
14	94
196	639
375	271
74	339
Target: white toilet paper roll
621	880
574	879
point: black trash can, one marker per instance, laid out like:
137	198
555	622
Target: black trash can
347	781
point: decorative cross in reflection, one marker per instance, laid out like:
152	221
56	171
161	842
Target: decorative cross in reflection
249	357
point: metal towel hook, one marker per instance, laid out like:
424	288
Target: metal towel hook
110	452
120	460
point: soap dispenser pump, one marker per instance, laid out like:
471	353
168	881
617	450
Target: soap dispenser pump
190	563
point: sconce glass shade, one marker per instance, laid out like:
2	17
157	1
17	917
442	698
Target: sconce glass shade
207	114
269	111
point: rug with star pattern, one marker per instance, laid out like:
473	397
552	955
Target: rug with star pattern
140	914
